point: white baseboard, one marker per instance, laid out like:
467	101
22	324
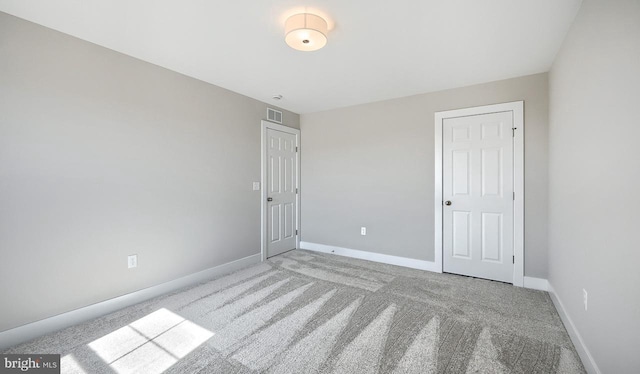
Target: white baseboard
21	334
587	360
536	283
529	282
376	257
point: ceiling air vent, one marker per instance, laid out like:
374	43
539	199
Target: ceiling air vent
274	115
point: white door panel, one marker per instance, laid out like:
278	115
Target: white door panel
281	191
478	181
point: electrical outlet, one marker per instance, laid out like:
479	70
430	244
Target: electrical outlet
363	231
132	261
256	186
584	298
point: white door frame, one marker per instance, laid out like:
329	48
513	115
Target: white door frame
263	182
517	108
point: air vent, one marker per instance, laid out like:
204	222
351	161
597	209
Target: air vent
274	115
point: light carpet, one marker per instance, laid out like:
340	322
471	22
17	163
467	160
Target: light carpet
306	312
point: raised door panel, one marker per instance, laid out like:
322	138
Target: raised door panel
492	237
461	174
461	234
492	175
274	223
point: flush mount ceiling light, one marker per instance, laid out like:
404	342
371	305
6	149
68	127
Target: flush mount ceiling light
306	32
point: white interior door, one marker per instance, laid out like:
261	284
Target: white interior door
282	189
477	184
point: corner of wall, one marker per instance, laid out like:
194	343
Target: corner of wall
586	357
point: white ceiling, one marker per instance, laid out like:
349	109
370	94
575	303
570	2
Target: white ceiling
377	50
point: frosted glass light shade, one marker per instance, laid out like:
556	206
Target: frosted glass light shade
306	32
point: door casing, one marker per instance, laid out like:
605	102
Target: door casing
263	182
517	108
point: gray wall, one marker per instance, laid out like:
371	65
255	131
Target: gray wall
103	155
373	165
594	173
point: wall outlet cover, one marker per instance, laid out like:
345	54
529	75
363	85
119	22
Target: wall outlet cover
132	261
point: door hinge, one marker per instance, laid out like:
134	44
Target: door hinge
513	131
296	191
296	149
514	196
296	232
513	258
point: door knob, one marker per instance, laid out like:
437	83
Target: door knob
269	198
447	203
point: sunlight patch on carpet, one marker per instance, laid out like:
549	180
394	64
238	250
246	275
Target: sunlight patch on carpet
151	344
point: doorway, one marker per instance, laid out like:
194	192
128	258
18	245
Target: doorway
479	192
